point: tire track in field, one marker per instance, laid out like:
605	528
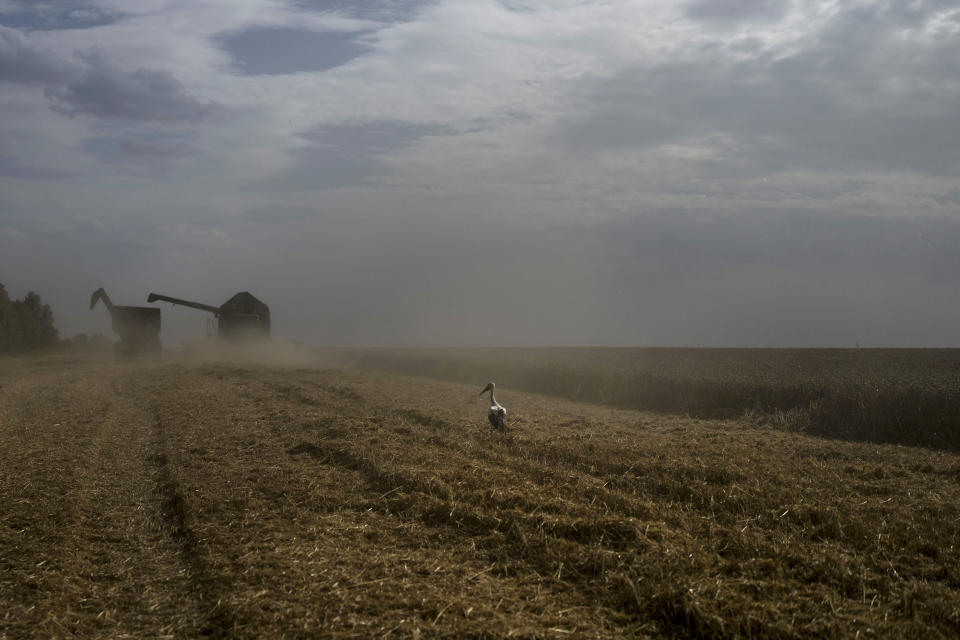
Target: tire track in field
220	621
621	487
104	565
539	463
526	505
41	509
573	549
68	557
589	483
126	560
579	531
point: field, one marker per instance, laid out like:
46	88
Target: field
240	500
905	396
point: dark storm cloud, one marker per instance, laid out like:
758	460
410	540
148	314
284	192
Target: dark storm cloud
92	84
105	90
23	62
276	50
858	97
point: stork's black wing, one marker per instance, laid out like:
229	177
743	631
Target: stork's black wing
498	418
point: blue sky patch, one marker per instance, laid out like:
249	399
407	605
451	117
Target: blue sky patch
278	50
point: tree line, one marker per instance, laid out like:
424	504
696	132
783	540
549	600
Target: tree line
25	324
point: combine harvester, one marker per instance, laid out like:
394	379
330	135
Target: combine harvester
243	328
240	319
138	327
243	334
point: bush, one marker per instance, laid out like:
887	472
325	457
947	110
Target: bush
25	324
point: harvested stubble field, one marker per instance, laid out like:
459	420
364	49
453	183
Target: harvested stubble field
249	501
903	396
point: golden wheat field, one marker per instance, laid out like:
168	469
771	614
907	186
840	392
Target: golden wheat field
234	500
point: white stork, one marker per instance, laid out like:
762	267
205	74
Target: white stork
496	414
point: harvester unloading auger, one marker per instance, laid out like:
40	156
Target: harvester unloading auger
138	327
242	318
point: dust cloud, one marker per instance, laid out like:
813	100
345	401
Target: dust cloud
273	353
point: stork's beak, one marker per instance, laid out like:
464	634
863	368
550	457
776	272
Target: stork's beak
485	389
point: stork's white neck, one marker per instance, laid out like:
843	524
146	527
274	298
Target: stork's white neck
493	400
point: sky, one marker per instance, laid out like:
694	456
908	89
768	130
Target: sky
479	172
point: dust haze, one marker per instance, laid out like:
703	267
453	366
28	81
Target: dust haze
273	353
490	173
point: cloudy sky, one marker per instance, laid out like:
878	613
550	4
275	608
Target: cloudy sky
568	172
